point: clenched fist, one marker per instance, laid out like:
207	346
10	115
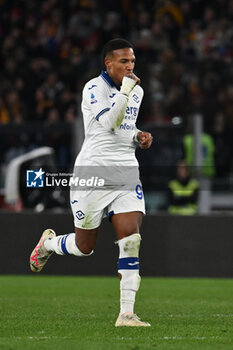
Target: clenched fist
145	139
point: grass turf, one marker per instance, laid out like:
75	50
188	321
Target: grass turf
47	312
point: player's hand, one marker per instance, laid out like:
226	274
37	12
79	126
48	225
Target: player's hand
145	139
134	77
128	83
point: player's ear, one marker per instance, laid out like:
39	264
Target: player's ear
107	62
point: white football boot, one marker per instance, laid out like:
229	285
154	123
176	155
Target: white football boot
40	255
129	319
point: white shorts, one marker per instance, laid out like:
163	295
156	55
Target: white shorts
90	207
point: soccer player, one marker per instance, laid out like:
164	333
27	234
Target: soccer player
110	107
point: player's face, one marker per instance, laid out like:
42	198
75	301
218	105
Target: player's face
119	63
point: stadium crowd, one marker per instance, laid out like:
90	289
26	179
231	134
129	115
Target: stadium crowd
50	48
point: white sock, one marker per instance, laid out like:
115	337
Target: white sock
64	245
127	301
128	268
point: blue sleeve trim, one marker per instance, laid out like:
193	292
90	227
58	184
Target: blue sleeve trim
128	264
110	214
102	112
63	244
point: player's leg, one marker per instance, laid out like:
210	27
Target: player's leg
80	243
127	227
86	240
126	224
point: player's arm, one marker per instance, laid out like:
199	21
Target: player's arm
112	119
144	138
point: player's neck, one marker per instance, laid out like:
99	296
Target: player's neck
117	83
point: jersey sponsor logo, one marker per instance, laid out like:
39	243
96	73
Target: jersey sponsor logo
92	87
126	126
93	99
131	113
132	110
135	98
79	215
111	96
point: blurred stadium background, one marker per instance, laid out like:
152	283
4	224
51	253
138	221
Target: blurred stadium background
184	51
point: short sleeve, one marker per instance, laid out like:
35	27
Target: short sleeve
95	98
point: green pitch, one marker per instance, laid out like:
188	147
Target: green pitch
43	312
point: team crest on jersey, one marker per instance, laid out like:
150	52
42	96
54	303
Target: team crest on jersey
136	98
93	99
